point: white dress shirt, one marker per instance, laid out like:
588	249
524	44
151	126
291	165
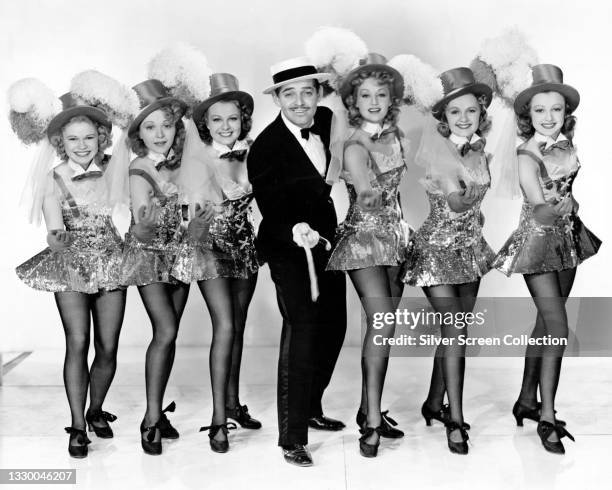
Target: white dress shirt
313	146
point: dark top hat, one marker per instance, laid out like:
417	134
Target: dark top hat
223	86
547	78
372	62
74	106
458	82
152	95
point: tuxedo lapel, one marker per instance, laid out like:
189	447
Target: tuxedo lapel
294	152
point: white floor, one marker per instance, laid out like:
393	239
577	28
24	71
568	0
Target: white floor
33	412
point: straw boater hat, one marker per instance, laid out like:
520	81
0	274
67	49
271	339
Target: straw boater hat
547	78
294	70
372	62
458	82
223	86
74	106
152	95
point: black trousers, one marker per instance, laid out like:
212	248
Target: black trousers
311	339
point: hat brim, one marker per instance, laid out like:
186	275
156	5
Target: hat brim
346	87
477	89
321	77
571	95
152	108
93	113
238	95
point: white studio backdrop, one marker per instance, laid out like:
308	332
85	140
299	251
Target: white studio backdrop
54	40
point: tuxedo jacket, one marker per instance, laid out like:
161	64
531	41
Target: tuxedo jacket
288	188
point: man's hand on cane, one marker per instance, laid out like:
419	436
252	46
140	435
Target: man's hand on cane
305	236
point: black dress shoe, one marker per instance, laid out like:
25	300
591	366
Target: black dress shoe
102	430
298	455
165	427
442	415
78	436
322	422
369	450
148	444
545	429
387	427
240	413
457	447
521	412
215	445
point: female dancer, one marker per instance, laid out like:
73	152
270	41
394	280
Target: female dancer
371	240
82	264
156	135
448	254
223	263
550	240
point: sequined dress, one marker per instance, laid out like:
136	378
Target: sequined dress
148	263
229	248
92	262
449	247
533	247
373	238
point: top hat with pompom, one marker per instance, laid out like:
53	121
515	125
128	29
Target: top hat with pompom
457	82
75	106
152	94
547	78
223	87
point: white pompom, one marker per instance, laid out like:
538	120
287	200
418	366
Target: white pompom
511	58
335	47
184	67
30	95
422	86
99	89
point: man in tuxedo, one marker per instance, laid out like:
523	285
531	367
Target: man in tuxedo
287	164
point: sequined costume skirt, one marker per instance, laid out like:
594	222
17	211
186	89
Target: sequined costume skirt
148	263
373	241
534	248
431	265
220	254
81	267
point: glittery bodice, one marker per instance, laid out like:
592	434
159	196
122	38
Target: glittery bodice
389	213
378	237
556	188
445	228
91	227
557	172
92	262
534	247
233	220
169	220
449	247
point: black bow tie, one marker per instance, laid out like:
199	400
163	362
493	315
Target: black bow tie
478	145
238	155
561	145
170	164
93	174
305	132
376	136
